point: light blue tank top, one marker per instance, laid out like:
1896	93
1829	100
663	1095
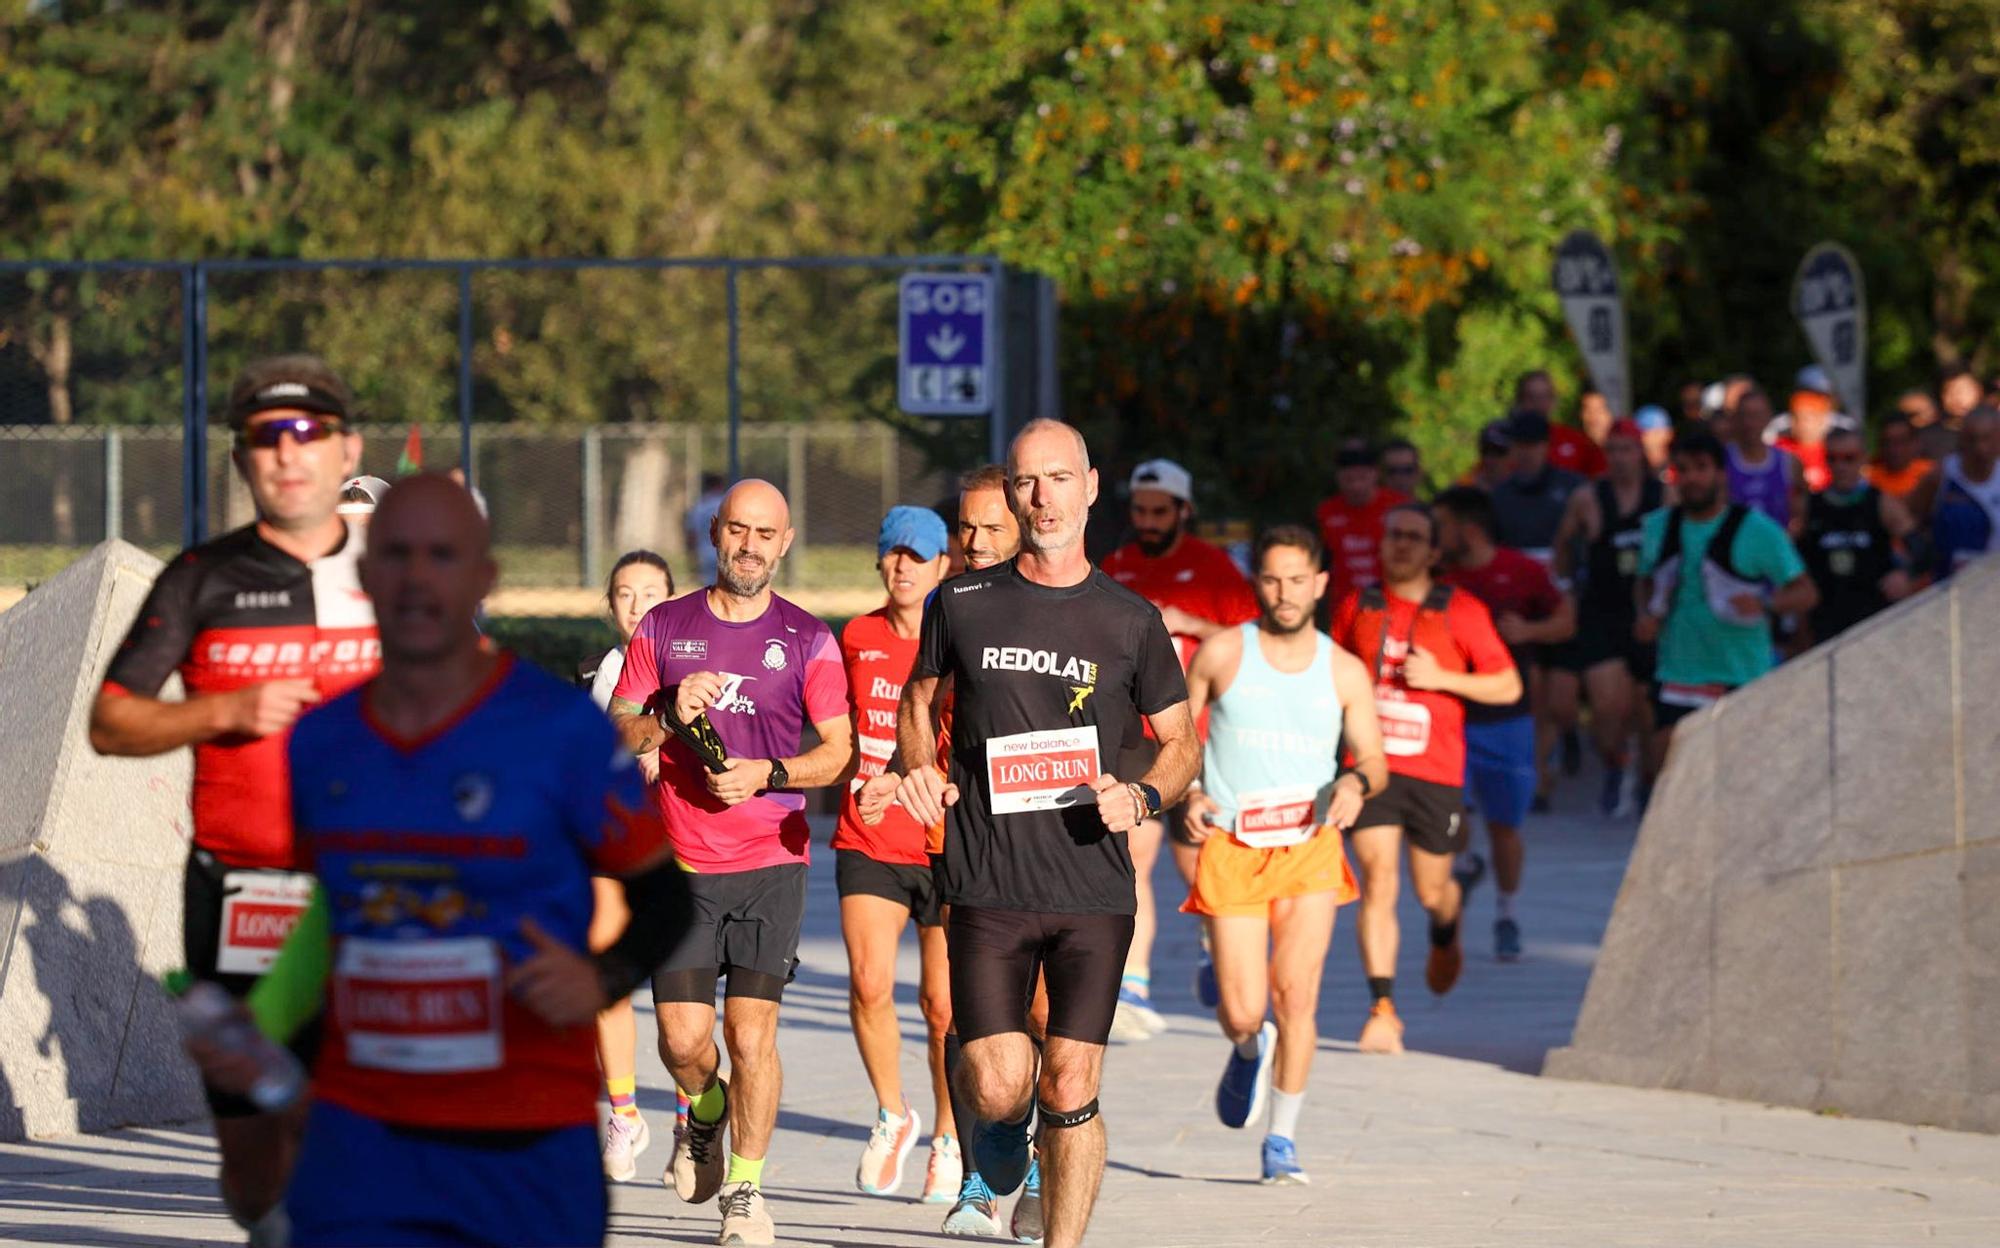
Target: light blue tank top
1273	732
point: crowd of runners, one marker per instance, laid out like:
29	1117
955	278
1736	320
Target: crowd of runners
476	860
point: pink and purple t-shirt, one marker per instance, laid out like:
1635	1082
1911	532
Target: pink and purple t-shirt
780	672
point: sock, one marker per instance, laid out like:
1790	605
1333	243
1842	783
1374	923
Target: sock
623	1093
1503	905
680	1102
1285	1108
1442	934
709	1106
1140	982
1381	987
744	1170
1247	1049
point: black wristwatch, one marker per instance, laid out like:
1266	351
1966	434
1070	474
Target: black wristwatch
779	776
1152	799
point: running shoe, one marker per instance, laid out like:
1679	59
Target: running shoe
1572	752
1612	790
972	1214
1135	1018
1207	989
1507	940
1027	1223
1000	1151
1246	1081
699	1163
1383	1032
1281	1161
745	1220
1468	869
625	1137
1446	961
881	1170
945	1172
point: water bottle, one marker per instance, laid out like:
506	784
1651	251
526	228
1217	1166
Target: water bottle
205	1012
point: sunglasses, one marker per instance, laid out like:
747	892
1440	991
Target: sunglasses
303	429
1846	457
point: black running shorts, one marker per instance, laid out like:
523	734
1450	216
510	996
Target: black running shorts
745	925
994	955
204	890
1431	815
906	884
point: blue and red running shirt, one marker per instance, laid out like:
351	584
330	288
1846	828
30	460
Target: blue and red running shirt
431	852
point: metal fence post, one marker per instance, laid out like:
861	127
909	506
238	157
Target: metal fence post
114	485
593	506
795	492
997	428
194	524
465	372
1048	401
891	478
735	384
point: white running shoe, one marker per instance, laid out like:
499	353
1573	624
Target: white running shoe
625	1137
881	1170
945	1173
700	1162
1135	1018
745	1220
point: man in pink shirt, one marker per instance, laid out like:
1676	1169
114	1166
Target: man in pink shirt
761	669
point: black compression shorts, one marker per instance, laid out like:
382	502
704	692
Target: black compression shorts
746	925
994	955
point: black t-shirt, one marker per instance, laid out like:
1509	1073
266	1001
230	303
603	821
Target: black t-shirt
1048	683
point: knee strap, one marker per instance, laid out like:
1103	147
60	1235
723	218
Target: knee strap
1052	1117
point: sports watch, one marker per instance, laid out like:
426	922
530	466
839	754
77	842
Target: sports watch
779	776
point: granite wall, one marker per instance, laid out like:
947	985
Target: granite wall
90	867
1812	912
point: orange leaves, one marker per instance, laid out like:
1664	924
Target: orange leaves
1131	156
1598	78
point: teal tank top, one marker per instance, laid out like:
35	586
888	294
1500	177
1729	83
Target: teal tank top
1273	746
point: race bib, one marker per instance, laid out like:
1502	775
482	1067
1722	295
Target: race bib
422	1007
1042	770
1406	726
1275	818
259	909
875	754
1695	697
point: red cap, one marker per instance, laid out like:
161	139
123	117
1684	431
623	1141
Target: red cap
1623	427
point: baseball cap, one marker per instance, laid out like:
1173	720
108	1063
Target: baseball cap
1712	396
1525	424
1812	377
1355	454
1623	427
1163	475
371	488
299	382
918	530
1494	437
1652	417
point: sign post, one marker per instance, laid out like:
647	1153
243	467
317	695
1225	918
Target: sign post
945	363
1586	280
1831	302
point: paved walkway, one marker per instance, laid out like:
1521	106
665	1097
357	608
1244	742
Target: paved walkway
1457	1144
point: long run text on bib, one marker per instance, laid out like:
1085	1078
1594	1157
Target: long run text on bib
1042	770
420	1006
1275	818
259	909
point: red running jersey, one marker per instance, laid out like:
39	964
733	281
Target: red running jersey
1353	539
878	662
1194	576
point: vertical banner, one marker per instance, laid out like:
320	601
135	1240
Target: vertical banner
1586	281
1831	303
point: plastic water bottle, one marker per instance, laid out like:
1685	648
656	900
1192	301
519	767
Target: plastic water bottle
205	1012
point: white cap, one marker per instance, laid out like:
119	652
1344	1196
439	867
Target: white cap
373	487
1166	476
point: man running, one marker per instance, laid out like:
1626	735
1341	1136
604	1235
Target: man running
1961	498
1602	521
1430	650
883	870
1199	593
1759	474
1350	522
1850	542
261	623
456	1089
760	669
1898	468
1269	818
1403	468
1712	573
1053	664
1529	611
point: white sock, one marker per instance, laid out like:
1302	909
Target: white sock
1504	904
1285	1107
1247	1049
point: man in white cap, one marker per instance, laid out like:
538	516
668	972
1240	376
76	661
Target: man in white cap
1199	592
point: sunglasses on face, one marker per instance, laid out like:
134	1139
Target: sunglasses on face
1844	457
270	433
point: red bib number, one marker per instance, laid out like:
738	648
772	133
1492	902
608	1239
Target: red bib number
1276	818
259	909
1042	770
420	1006
1406	725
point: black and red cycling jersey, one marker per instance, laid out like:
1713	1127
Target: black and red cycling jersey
238	611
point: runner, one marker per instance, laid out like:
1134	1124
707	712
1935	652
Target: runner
261	623
1570	449
1711	575
1801	431
1528	611
884	872
639	580
1961	497
1350	522
1054	664
1403	468
1269	821
1850	542
1759	474
455	1091
1496	457
1959	392
760	669
1603	521
1656	438
1430	650
1898	469
1199	593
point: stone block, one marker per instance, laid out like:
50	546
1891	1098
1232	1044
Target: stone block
1901	966
1771	766
1893	683
1979	916
1975	594
1773	957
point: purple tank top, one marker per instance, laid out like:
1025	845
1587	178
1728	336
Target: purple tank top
1766	489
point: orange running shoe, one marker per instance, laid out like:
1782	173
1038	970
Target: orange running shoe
1383	1032
1446	961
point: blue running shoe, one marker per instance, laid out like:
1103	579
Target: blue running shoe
972	1214
1281	1161
1207	989
1239	1097
1000	1153
1027	1223
1507	940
